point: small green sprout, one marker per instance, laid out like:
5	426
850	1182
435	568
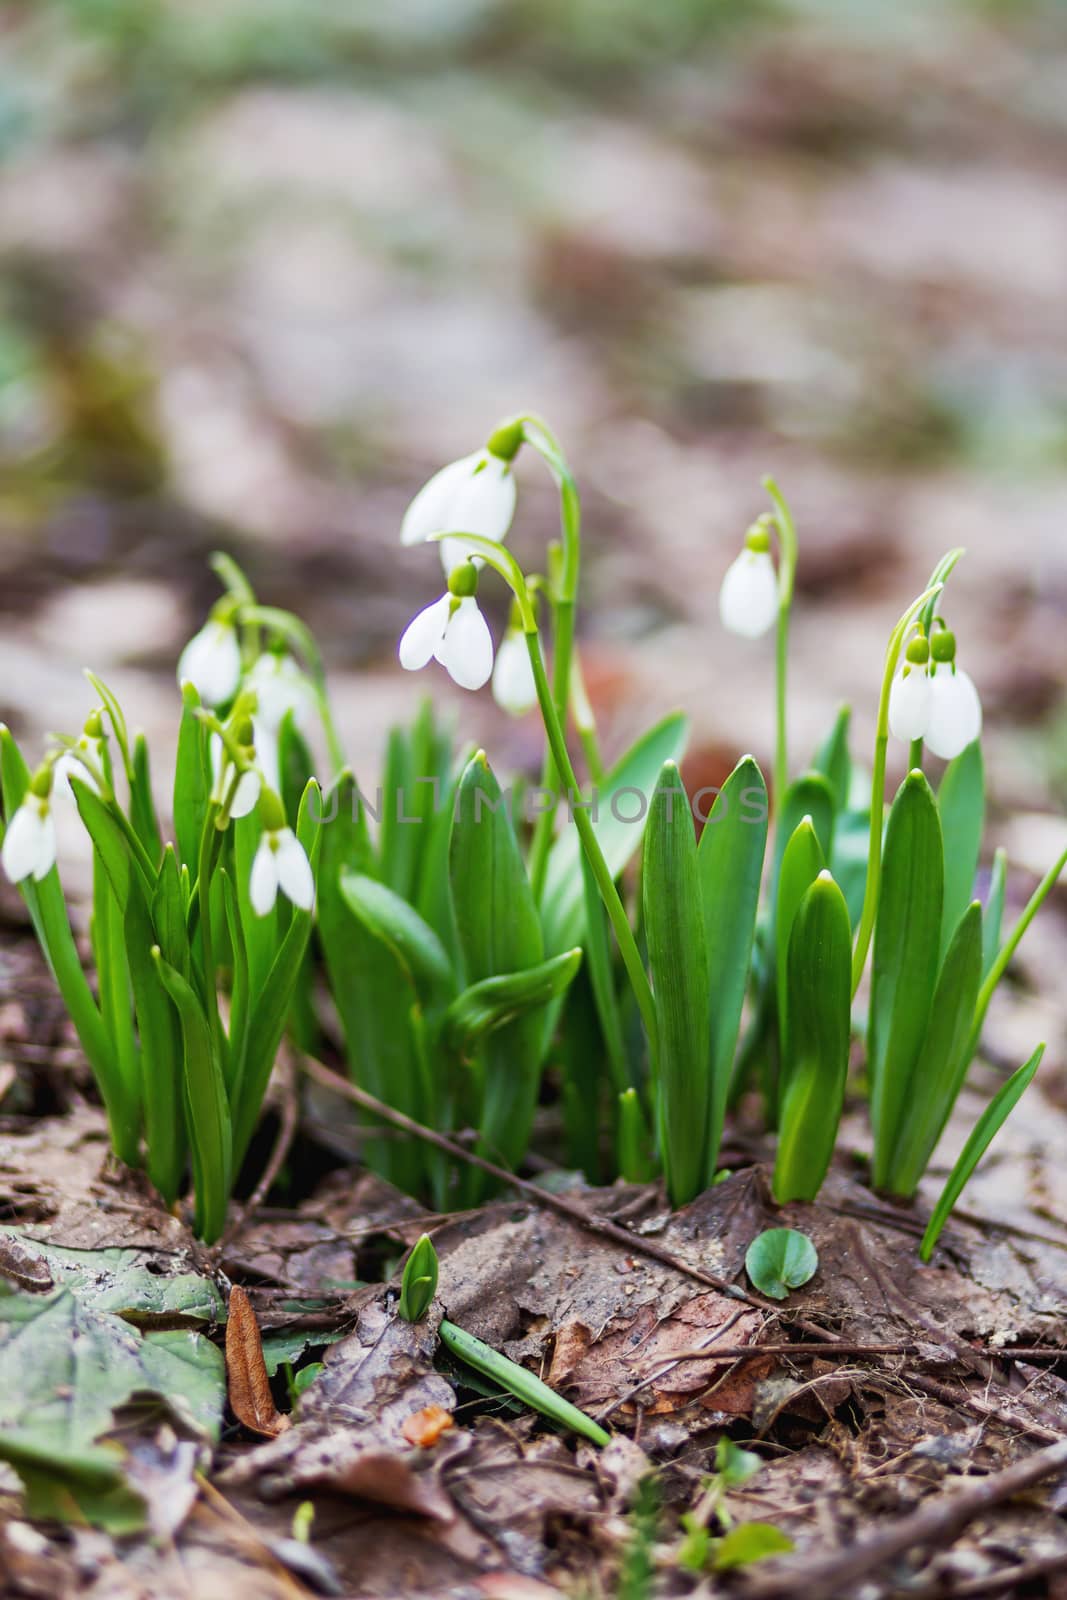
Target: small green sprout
419	1282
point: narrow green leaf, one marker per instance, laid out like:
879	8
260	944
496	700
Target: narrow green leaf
942	1063
602	981
192	780
985	1131
495	1002
240	989
113	976
730	868
781	1259
395	921
418	1284
993	915
619	823
169	910
295	766
961	804
810	795
907	938
161	1059
112	845
832	759
634	1140
371	986
499	931
116	716
819	971
677	951
207	1107
142	805
521	1383
802	861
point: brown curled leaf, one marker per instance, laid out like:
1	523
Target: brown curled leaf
246	1373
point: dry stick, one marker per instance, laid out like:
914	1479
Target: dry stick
633	1242
941	1522
543	1197
993	1583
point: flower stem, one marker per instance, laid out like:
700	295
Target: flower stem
915	756
787	541
299	634
631	956
881	744
1000	965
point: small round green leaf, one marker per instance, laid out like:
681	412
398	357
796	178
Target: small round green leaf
780	1259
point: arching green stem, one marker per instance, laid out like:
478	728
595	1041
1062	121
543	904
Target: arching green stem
787	567
881	742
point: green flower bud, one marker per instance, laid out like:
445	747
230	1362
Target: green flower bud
463	581
758	537
243	733
943	646
505	441
271	812
94	724
918	651
419	1283
41	782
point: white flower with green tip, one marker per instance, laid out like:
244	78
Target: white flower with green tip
453	632
473	495
280	862
748	599
211	661
29	849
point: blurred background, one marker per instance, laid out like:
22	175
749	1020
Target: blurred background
268	263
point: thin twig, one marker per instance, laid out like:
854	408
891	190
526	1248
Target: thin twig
542	1197
992	1583
937	1522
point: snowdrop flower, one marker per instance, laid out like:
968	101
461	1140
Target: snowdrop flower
513	680
30	841
280	862
453	632
910	693
211	661
748	599
280	688
82	760
955	709
473	495
246	794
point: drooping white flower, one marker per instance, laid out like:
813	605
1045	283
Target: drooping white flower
248	787
453	632
955	711
748	599
280	688
211	662
909	701
280	862
70	765
513	680
473	495
30	841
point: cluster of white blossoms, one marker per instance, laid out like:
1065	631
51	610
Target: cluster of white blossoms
475	495
933	699
212	663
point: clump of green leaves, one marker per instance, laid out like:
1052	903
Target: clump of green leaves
739	1544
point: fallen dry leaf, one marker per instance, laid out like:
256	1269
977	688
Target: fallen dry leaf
251	1400
425	1427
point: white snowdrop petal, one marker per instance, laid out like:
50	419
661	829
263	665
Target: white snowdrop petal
424	633
280	688
294	871
955	713
748	599
246	794
466	651
211	661
24	842
909	704
69	766
46	847
485	505
513	680
263	881
430	510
